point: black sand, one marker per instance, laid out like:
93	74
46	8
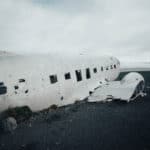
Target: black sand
91	126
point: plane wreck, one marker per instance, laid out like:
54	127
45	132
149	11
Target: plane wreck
40	81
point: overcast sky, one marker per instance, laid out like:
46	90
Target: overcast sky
116	27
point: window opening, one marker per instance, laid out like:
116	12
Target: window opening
67	76
78	75
88	74
53	78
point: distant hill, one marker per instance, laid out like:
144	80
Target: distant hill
6	53
137	66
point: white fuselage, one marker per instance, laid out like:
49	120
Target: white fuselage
39	81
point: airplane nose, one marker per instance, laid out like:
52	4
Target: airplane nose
116	60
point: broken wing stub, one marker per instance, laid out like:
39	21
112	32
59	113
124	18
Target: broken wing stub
129	88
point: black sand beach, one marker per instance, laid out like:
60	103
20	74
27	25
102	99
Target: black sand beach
92	126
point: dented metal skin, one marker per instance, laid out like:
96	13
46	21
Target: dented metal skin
129	88
26	79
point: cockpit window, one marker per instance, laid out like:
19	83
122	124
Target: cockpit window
78	75
22	80
111	66
53	78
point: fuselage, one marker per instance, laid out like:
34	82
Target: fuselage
41	81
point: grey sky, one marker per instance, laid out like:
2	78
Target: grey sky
116	27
